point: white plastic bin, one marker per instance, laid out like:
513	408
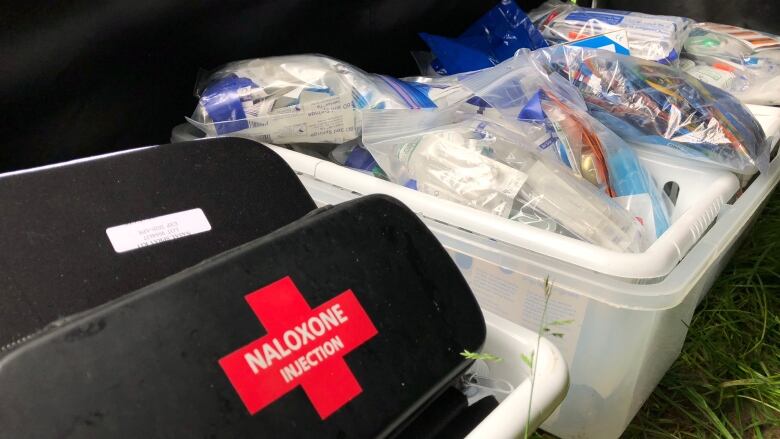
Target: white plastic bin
624	316
628	322
613	352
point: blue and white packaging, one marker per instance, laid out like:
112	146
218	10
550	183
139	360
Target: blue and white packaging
615	42
652	37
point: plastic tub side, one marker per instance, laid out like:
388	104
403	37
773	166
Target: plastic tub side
609	387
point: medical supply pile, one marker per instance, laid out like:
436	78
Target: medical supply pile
546	136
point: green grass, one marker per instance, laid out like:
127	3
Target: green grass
726	383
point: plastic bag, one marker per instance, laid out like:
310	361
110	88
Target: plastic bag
355	156
518	90
743	62
661	107
480	163
496	36
652	37
298	99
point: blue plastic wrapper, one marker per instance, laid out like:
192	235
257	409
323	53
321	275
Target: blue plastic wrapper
495	37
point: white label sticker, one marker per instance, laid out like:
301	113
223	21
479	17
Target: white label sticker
156	230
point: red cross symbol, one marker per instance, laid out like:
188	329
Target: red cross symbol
303	346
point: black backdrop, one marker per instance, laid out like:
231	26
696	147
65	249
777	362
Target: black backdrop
79	78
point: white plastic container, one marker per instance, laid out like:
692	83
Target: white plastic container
627	321
623	317
607	345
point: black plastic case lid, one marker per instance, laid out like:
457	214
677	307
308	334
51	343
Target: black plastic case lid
58	259
342	324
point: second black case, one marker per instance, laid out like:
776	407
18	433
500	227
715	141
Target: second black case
345	323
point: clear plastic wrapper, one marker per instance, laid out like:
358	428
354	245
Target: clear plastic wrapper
652	37
493	38
521	91
661	107
298	99
478	162
741	61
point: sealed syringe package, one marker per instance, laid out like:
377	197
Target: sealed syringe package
743	62
661	107
651	37
494	167
298	99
